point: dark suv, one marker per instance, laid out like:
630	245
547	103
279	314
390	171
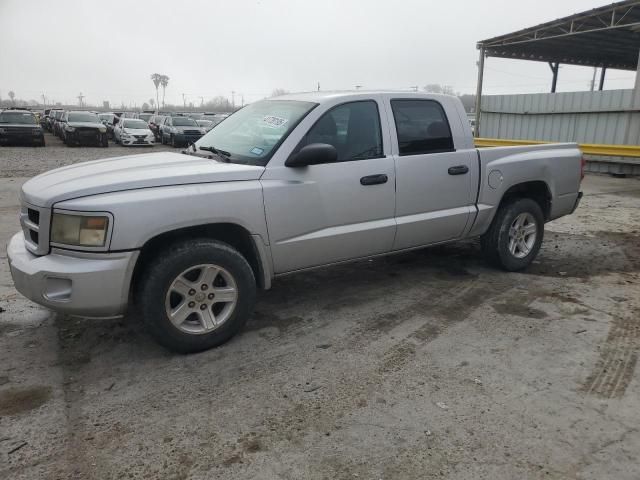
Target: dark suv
178	131
83	128
20	126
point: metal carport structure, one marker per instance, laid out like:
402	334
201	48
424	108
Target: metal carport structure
605	37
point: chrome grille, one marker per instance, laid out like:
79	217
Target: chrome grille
35	225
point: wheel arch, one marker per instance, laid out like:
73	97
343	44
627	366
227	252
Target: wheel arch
537	190
250	246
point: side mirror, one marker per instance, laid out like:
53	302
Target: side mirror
313	154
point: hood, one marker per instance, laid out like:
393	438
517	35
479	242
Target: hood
128	173
85	125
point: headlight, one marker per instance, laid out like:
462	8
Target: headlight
69	129
102	129
79	230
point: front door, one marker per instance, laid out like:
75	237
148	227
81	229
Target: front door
321	214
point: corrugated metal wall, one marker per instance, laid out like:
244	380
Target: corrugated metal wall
606	117
583	117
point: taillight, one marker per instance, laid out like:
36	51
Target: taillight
583	164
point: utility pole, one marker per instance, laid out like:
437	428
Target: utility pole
184	101
243	100
318	86
201	102
44	100
80	99
233	99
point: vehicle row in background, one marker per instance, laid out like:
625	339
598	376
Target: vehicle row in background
78	127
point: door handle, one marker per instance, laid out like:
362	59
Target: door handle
374	179
458	170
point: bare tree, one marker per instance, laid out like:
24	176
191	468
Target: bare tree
164	81
12	96
156	78
437	88
279	91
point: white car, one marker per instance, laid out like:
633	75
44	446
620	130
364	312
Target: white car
133	131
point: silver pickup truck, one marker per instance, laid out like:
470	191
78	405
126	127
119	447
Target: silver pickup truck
282	185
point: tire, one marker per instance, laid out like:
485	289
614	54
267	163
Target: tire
497	243
156	296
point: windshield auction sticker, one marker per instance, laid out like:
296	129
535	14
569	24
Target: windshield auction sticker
273	121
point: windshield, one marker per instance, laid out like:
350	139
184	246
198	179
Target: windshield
145	116
184	122
83	117
106	116
252	134
58	114
18	117
139	124
205	123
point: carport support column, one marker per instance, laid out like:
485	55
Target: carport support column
602	75
479	89
554	68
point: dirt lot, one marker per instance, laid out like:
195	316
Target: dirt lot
424	365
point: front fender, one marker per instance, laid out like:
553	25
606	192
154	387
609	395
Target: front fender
142	214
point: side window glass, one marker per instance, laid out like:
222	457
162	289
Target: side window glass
352	128
422	127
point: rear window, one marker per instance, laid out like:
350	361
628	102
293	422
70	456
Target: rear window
422	127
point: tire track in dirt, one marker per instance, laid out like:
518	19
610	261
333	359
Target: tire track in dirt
614	369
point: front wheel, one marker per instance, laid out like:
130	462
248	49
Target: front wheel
515	235
196	295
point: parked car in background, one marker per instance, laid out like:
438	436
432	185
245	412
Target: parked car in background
154	125
133	131
206	124
43	118
109	120
20	127
58	123
299	182
84	128
49	121
177	131
145	116
195	115
216	118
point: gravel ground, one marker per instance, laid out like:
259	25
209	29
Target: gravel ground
423	365
18	161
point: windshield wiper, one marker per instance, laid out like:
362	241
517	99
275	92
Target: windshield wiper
221	153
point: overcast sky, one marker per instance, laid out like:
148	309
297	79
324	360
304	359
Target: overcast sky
108	49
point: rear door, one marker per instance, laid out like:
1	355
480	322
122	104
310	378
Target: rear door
435	180
321	214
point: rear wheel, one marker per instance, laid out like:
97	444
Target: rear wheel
515	235
196	295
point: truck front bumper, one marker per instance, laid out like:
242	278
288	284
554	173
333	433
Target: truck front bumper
87	285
